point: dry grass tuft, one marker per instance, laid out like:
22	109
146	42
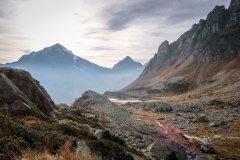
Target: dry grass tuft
64	154
102	117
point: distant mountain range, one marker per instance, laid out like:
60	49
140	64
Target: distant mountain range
66	76
55	57
204	60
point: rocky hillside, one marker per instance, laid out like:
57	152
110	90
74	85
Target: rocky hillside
33	127
209	51
137	134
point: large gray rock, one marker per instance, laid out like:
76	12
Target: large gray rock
82	148
159	151
204	157
166	150
20	93
89	98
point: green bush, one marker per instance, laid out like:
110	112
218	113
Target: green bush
39	140
11	147
163	107
177	86
109	150
73	131
201	119
216	102
108	136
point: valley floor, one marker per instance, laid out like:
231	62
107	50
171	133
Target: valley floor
211	128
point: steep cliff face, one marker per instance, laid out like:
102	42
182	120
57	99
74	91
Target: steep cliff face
216	37
19	92
159	58
186	60
234	13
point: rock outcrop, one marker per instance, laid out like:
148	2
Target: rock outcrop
215	39
90	98
21	94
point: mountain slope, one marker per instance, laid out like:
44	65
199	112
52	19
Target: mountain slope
66	76
32	127
203	56
127	64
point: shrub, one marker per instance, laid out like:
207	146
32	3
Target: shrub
39	140
102	117
11	147
216	102
108	136
64	154
202	119
163	107
73	131
109	150
177	86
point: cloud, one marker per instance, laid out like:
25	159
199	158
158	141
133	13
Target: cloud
102	31
2	29
7	9
90	33
103	38
123	15
101	48
2	13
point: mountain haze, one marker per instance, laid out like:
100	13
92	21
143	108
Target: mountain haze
56	56
126	64
66	76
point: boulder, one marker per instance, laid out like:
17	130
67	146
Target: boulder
160	151
22	94
204	157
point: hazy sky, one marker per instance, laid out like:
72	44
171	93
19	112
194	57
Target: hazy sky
102	31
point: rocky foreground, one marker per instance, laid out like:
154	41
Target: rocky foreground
32	127
161	130
94	128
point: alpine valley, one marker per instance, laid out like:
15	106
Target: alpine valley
183	104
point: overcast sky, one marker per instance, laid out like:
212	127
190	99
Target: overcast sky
102	31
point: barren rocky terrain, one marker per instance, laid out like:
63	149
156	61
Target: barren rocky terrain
184	130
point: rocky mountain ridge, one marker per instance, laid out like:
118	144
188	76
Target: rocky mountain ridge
204	40
208	49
